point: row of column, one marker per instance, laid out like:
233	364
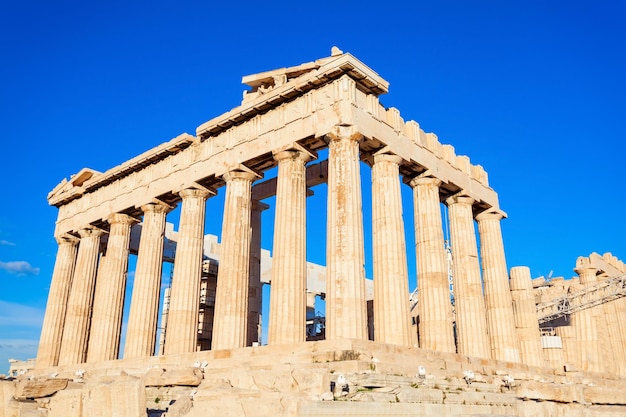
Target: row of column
75	334
597	335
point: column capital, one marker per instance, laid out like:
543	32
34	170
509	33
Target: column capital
236	174
432	181
90	231
292	154
195	192
460	199
66	239
586	270
333	137
388	157
294	151
157	207
489	215
121	218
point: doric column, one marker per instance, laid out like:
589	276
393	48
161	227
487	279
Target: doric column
498	301
108	303
435	310
614	334
182	321
469	304
230	319
553	351
255	287
287	321
54	320
78	316
144	304
391	281
525	314
571	349
586	323
346	309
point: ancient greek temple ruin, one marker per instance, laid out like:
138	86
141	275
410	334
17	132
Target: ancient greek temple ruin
287	120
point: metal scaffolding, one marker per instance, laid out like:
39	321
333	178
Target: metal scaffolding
591	296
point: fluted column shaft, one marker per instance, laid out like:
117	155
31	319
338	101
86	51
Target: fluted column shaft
471	319
230	320
255	286
435	310
554	356
586	323
391	280
287	321
571	349
346	308
525	314
144	304
108	303
182	321
54	320
498	301
617	340
78	316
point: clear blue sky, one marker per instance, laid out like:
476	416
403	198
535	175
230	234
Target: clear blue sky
533	91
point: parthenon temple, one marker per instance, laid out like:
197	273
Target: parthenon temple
473	338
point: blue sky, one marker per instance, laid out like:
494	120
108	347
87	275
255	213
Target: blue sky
533	91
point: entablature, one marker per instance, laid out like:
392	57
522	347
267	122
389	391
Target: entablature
336	106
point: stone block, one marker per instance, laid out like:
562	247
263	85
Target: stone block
453	398
159	398
549	392
312	381
180	407
603	395
380	380
420	395
67	403
472	397
279	380
38	388
7	390
373	396
492	398
157	377
124	398
453	366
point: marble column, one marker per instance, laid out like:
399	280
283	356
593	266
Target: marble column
346	308
614	332
571	350
230	320
586	323
287	321
498	301
435	309
182	321
391	281
554	355
144	304
108	302
78	316
471	319
571	347
525	314
255	287
54	320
